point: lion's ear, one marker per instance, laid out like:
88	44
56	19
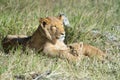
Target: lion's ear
61	17
44	21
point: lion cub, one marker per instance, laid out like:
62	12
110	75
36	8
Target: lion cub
80	49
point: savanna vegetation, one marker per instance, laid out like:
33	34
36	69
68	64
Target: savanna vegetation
96	22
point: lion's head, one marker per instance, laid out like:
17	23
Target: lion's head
76	48
52	28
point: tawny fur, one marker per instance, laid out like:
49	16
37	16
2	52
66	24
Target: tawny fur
48	38
79	49
59	50
50	29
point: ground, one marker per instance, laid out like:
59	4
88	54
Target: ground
96	22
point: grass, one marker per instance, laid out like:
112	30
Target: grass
96	22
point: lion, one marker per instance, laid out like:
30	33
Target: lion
80	49
49	29
48	38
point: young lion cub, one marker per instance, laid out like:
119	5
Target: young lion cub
79	49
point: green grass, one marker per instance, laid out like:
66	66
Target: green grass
86	16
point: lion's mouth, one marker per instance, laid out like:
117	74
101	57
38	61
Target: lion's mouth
61	38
